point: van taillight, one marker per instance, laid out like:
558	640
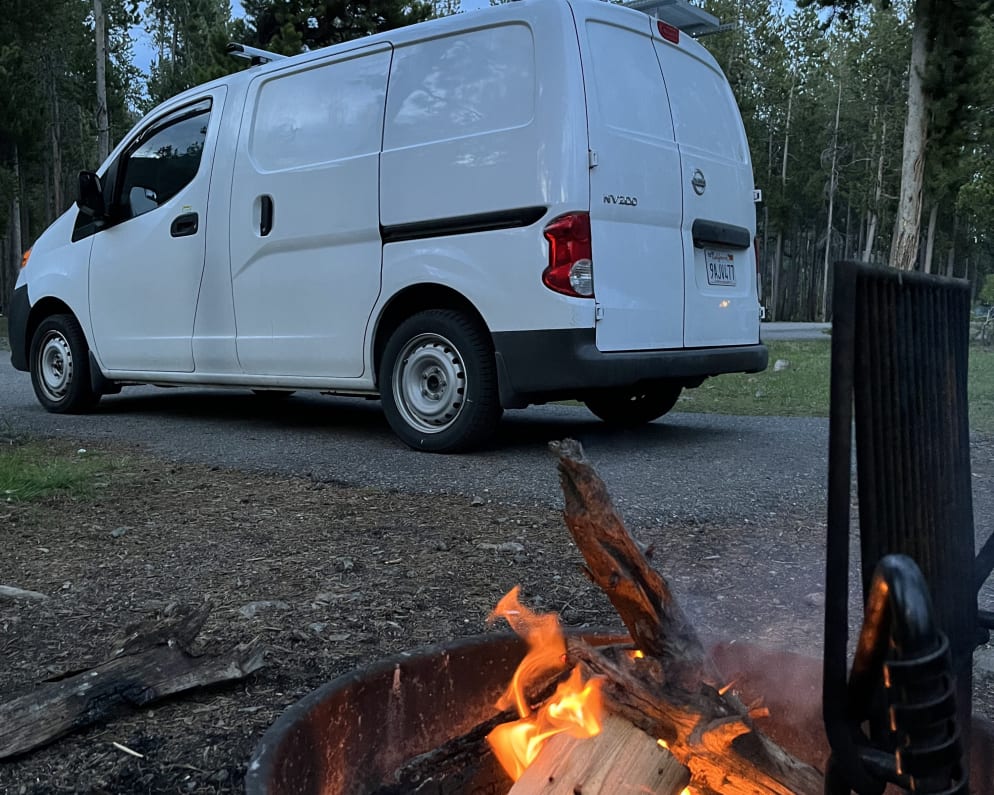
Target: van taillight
669	32
571	267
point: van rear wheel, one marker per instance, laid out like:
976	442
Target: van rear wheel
60	366
438	382
631	407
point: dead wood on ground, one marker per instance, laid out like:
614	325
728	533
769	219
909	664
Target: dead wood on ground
148	663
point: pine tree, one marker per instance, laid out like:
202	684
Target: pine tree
288	26
942	41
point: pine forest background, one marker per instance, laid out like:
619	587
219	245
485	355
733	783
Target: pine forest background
823	90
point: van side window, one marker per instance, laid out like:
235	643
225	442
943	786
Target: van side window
467	84
163	161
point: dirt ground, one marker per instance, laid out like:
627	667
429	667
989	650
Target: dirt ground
350	576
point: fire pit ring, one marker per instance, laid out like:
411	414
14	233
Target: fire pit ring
351	735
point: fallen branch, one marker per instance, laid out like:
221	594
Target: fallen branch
147	664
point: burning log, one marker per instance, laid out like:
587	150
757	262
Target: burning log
664	687
603	765
150	662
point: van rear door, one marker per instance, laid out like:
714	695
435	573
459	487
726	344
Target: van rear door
635	202
719	217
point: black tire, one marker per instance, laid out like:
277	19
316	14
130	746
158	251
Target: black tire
438	382
272	395
629	408
60	366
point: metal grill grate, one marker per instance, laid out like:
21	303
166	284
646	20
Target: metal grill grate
899	366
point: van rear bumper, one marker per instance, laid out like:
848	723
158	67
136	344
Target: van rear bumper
17	327
533	366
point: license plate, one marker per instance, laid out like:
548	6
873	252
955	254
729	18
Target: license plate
720	267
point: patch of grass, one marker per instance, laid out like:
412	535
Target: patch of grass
798	390
980	390
33	470
801	388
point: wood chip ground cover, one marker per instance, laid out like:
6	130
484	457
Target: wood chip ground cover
330	579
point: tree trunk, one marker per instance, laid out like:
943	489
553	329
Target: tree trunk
831	207
103	122
16	241
904	248
56	142
877	195
778	258
5	288
930	239
849	234
951	255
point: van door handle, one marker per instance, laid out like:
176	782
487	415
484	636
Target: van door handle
185	225
266	217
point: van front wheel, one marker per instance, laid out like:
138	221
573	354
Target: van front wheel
629	408
438	382
60	367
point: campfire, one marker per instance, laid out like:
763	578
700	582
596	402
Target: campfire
644	716
548	713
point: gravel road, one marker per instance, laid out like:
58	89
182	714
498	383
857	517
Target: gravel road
709	467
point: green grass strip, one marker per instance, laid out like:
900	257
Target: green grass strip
34	470
801	387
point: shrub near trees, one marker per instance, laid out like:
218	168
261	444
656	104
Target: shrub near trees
824	95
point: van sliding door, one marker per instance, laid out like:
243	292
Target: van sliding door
305	236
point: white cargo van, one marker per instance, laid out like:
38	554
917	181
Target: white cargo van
543	200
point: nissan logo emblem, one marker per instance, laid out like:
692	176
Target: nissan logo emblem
699	183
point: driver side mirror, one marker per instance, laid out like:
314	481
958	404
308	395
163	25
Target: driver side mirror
91	195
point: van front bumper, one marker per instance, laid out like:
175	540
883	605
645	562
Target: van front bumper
534	366
17	327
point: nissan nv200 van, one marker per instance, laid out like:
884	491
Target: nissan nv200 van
543	200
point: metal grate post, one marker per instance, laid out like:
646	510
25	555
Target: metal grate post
899	367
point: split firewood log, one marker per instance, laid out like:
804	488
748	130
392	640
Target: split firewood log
606	764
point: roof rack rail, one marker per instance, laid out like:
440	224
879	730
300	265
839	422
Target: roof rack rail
691	19
252	54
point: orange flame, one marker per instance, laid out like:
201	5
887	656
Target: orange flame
574	708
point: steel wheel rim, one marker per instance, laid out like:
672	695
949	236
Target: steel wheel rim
55	366
429	383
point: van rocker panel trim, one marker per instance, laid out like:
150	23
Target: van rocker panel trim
17	327
563	361
462	224
718	234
